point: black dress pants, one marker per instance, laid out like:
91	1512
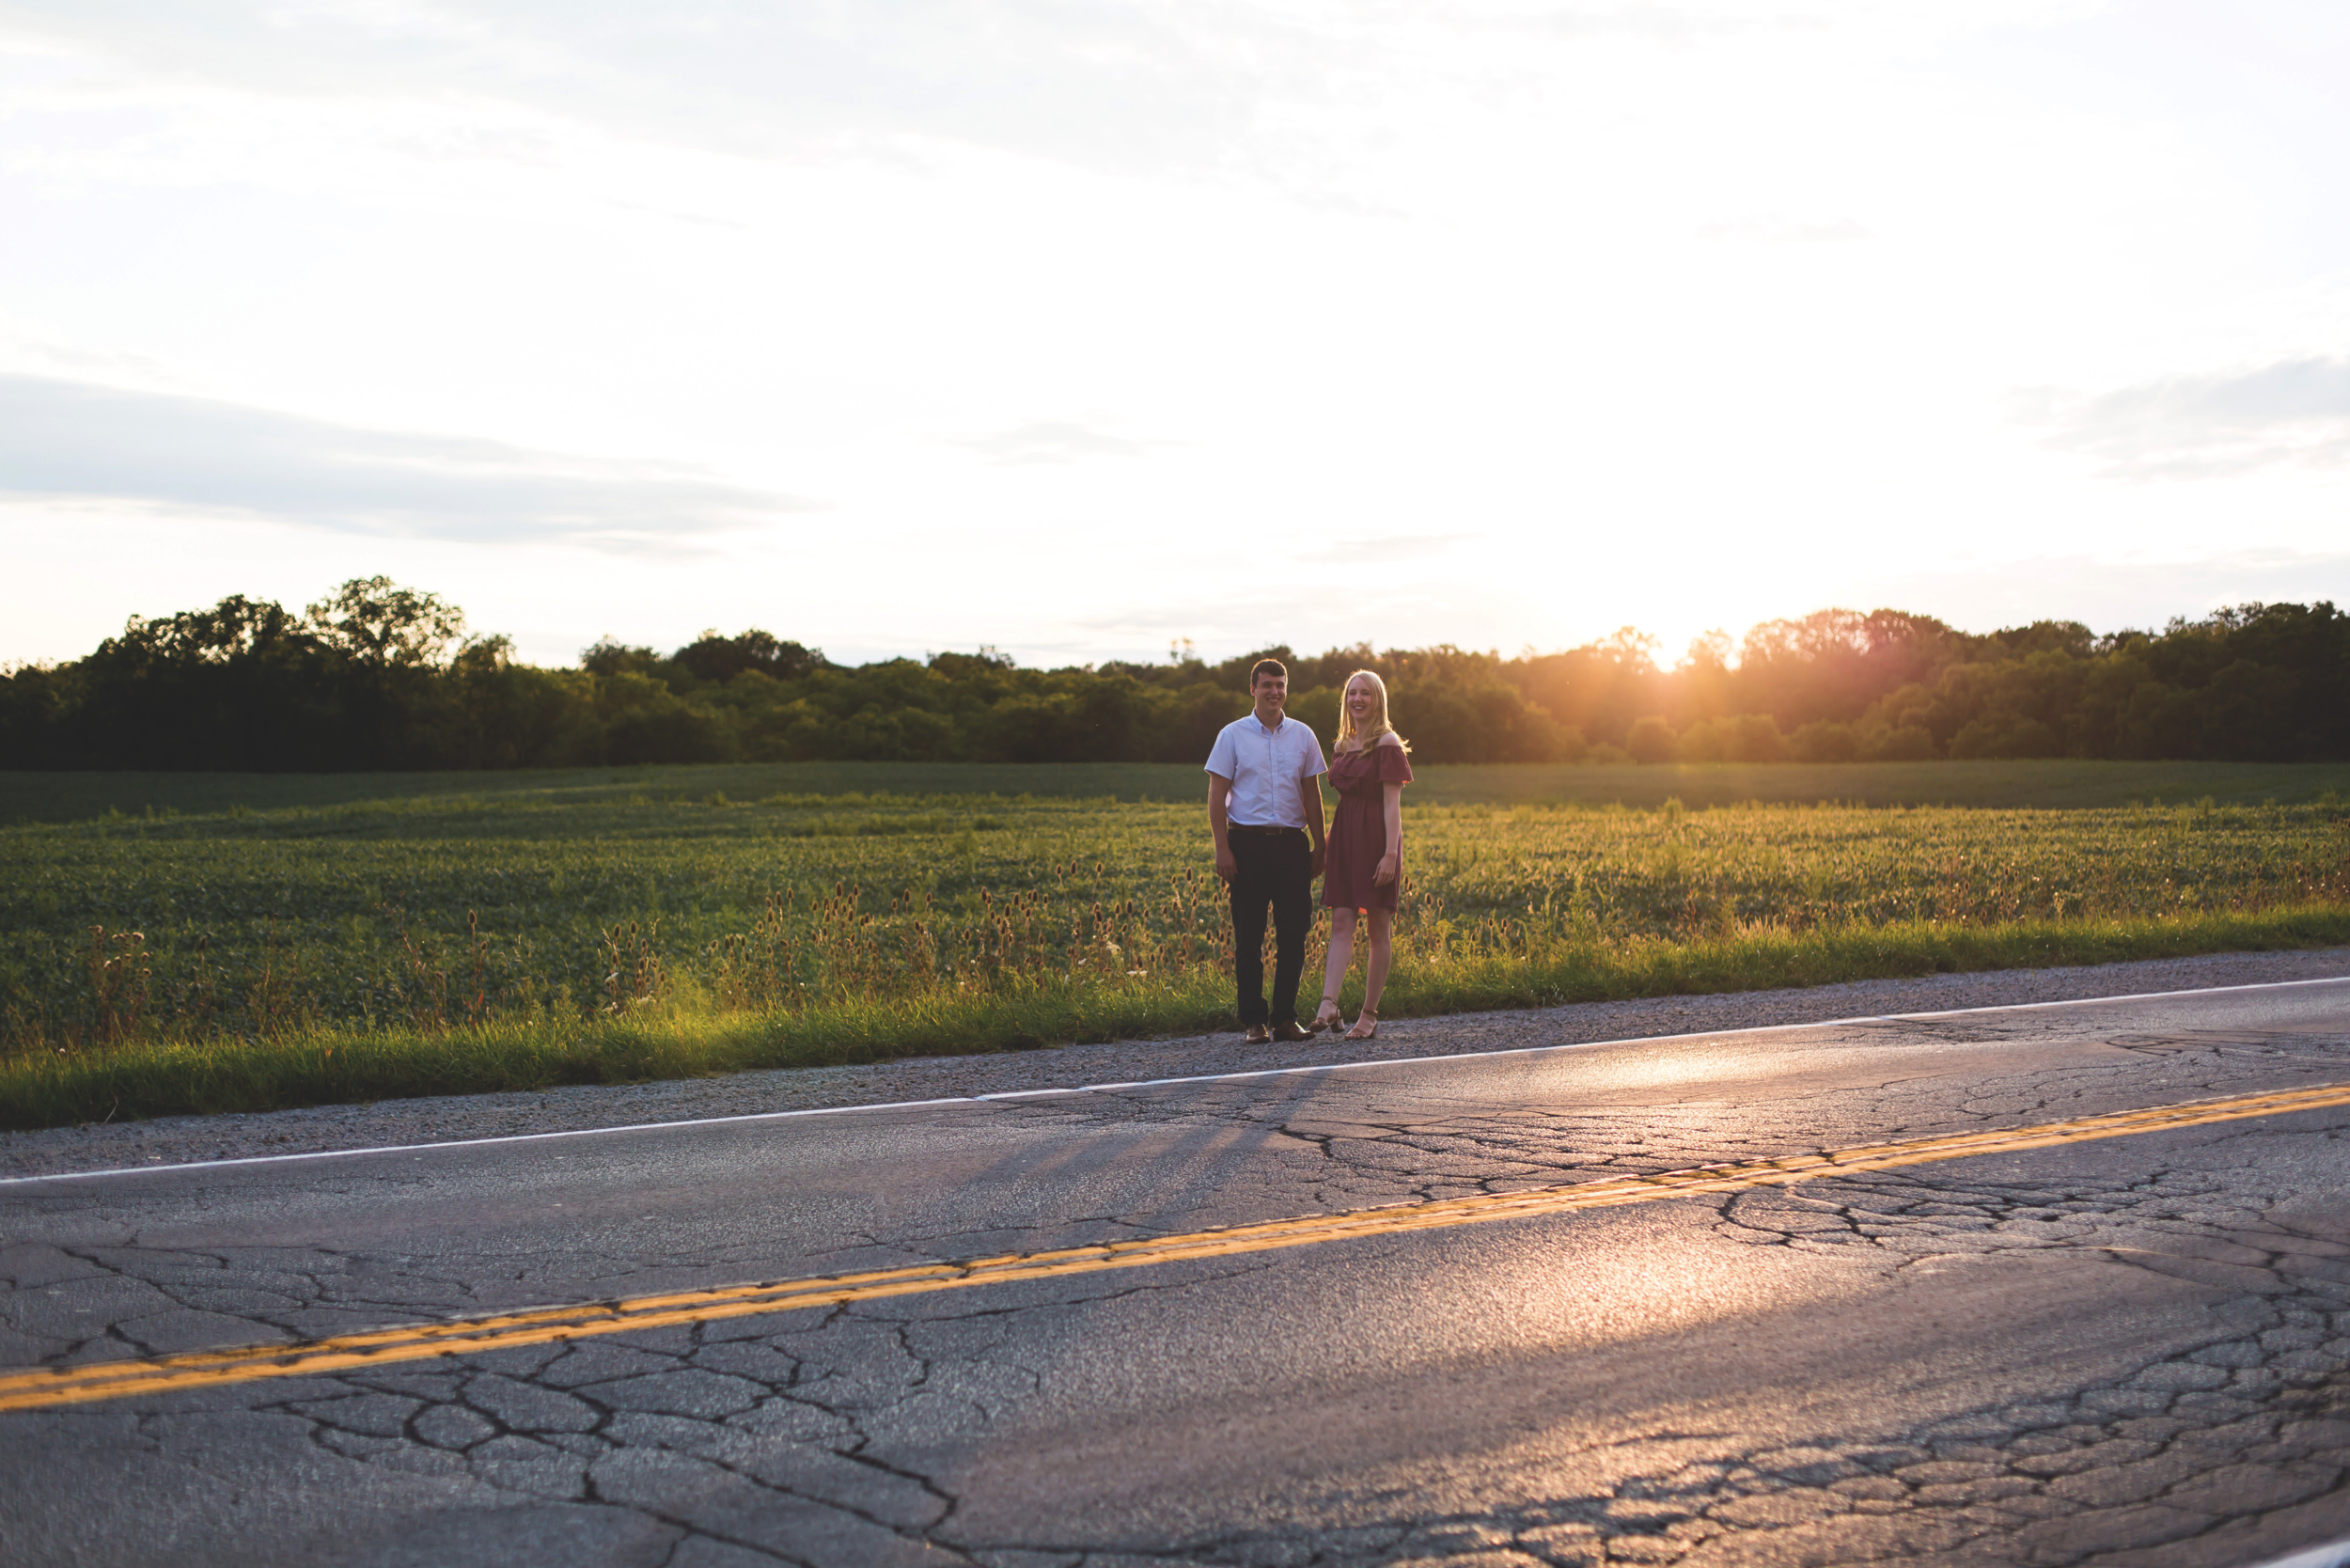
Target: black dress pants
1276	869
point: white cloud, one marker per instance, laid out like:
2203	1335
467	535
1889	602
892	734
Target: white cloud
1053	441
1772	229
2294	411
64	439
1385	550
2110	595
1137	82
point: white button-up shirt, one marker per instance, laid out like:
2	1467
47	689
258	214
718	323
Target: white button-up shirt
1268	770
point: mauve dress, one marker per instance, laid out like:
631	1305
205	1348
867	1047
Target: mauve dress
1358	837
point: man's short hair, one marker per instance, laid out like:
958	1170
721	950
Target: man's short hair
1264	668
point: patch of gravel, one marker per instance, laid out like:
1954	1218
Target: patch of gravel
179	1139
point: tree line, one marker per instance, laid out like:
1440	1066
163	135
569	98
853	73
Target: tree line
376	676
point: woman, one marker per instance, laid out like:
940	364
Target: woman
1364	872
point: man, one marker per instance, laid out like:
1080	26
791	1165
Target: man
1264	806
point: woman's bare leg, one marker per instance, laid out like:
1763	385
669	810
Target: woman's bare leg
1334	970
1378	952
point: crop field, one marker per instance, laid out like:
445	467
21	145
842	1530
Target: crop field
626	927
61	797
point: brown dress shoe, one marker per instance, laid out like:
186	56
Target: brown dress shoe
1288	1029
1259	1034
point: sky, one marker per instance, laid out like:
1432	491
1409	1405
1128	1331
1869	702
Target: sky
1077	328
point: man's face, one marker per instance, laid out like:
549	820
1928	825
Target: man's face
1271	691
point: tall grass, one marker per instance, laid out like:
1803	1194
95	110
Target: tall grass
247	960
689	1035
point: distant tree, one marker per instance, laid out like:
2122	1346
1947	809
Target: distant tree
1824	741
1651	740
1745	738
1832	665
719	659
609	656
379	676
243	684
374	621
1598	689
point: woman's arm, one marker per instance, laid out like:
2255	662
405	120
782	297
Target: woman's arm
1391	863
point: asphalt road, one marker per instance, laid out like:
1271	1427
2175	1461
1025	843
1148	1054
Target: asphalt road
2131	1347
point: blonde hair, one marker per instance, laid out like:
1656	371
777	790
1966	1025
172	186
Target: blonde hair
1379	725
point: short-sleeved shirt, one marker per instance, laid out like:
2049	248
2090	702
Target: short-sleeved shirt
1268	769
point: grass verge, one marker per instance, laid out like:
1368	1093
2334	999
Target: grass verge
340	1065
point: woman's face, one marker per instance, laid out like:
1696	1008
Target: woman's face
1361	701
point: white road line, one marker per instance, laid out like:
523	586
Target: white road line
1155	1083
2334	1554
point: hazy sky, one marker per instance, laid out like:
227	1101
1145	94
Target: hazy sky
1077	327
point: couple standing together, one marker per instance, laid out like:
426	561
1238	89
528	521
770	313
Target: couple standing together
1264	806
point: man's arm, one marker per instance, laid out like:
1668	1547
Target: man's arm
1219	820
1309	791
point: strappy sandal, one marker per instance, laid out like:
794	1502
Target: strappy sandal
1359	1031
1329	1017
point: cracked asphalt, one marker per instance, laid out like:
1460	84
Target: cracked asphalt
2135	1351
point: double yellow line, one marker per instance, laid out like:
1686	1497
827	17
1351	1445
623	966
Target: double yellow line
32	1391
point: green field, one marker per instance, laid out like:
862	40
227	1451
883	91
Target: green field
61	797
254	941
